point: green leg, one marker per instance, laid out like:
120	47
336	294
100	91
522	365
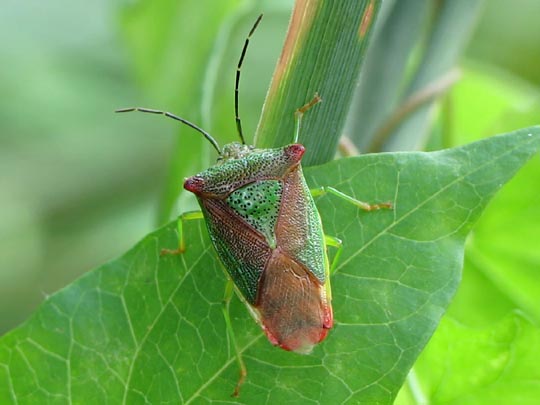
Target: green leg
298	114
229	291
186	216
337	243
360	204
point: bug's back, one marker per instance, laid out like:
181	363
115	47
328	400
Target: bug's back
267	232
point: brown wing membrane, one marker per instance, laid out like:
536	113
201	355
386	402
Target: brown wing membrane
292	304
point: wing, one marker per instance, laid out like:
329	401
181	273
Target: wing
243	251
293	306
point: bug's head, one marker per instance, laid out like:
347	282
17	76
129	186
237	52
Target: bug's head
235	150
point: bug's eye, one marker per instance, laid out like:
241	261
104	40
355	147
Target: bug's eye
194	184
295	151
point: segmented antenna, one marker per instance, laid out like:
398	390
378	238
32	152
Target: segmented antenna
174	117
238	68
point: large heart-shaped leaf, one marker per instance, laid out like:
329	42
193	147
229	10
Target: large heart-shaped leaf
150	328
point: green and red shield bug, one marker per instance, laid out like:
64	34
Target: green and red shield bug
267	232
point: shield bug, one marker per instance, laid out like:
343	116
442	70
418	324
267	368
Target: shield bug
267	232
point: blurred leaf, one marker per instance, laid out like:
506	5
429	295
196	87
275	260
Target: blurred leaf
464	365
157	33
149	328
74	177
382	77
501	262
453	19
479	300
487	101
503	257
505	244
323	53
516	50
172	69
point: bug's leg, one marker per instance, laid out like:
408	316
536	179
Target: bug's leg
360	204
337	243
229	291
186	216
298	114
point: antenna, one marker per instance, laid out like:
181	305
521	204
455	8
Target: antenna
174	117
238	68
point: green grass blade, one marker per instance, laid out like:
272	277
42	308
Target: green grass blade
384	73
452	26
323	53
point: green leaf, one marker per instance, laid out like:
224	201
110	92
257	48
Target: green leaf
497	364
504	247
502	256
500	274
150	328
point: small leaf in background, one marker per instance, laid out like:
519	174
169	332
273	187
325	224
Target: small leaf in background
381	79
490	365
172	69
502	255
150	328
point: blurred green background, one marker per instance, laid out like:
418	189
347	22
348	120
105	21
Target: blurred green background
80	185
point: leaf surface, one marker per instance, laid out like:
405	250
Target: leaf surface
495	364
150	328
